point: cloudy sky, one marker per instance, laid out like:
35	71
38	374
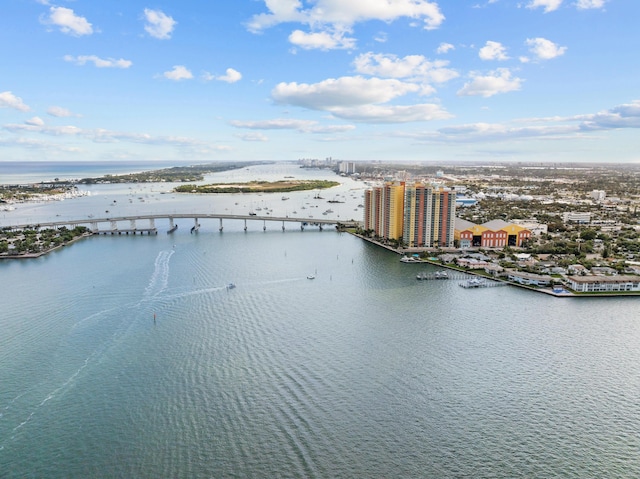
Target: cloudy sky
406	80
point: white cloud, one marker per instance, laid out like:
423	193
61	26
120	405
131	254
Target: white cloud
275	124
305	126
321	40
231	76
159	25
498	81
621	116
359	99
341	92
99	62
544	49
482	132
9	100
547	5
411	66
381	37
35	121
336	12
101	135
493	51
59	112
587	4
68	21
334	17
444	48
392	114
32	126
253	136
626	116
178	73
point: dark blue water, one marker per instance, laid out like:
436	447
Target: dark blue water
23	172
129	357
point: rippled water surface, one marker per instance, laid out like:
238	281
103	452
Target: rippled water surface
130	357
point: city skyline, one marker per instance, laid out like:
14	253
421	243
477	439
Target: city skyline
404	80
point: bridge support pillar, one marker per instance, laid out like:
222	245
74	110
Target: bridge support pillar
320	226
114	227
221	225
132	226
301	226
94	226
264	225
245	225
283	226
152	224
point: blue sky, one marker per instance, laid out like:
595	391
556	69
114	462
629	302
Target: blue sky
389	80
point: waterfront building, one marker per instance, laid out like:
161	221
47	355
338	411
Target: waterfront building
593	284
384	208
492	234
429	216
529	279
419	215
347	167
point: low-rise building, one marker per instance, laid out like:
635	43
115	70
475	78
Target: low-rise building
576	217
529	279
492	234
593	284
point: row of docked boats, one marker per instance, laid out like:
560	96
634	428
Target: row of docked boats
436	275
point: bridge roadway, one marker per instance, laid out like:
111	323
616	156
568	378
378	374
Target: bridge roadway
116	227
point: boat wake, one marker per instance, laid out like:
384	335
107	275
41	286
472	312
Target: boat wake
160	278
94	352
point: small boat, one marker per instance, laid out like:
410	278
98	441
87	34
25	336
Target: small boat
474	283
231	286
311	276
252	213
409	259
285	198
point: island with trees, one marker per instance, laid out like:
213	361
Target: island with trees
282	186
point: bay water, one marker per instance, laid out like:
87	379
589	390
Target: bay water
130	356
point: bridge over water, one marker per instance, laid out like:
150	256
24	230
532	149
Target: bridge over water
133	224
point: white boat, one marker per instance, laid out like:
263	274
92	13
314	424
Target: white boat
409	259
231	286
311	276
474	283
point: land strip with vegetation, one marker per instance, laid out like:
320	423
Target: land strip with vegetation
283	186
177	174
32	242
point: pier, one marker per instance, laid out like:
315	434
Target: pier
466	281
